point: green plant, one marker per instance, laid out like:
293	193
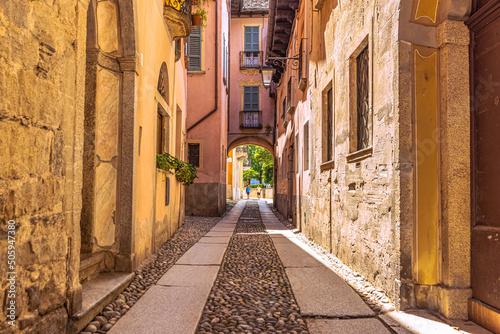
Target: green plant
201	11
268	129
184	173
204	18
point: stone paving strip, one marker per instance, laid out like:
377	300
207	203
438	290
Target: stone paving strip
373	297
251	293
326	302
193	230
174	304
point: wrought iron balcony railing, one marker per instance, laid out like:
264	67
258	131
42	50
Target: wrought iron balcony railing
250	59
251	119
177	14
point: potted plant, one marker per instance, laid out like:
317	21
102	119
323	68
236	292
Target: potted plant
199	16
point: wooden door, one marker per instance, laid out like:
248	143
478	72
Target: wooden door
485	76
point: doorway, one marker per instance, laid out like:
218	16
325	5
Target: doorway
484	24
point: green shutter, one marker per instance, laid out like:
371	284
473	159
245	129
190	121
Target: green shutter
252	38
251	98
194	49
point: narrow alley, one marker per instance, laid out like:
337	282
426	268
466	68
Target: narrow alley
249	166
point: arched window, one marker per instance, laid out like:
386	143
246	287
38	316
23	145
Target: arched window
163	87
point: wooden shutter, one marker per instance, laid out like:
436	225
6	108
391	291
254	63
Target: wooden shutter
251	98
194	49
252	38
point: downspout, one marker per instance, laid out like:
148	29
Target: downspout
216	72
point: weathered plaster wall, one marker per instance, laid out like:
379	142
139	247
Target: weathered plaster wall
347	208
41	121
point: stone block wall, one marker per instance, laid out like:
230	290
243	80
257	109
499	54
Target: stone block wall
206	199
41	112
349	208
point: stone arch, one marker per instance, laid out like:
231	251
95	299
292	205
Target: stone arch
251	140
163	83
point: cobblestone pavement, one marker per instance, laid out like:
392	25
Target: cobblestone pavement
153	269
251	293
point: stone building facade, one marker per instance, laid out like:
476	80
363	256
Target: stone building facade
373	147
91	91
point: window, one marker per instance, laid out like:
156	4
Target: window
250	116
327	126
162	130
251	56
194	49
305	152
251	98
252	38
225	64
194	154
283	111
167	191
289	94
363	131
296	160
159	133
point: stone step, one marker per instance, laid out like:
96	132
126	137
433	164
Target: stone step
91	265
96	295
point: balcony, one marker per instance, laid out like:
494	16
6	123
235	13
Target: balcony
250	59
177	15
251	119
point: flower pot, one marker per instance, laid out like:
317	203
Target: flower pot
196	18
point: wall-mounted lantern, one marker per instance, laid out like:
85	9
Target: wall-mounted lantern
267	75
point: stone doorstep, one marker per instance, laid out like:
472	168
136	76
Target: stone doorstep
425	321
96	295
90	266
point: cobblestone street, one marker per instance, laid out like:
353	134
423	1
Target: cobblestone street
244	273
249	272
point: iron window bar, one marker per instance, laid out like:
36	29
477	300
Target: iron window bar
363	131
251	119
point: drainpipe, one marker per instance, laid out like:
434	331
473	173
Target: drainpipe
216	71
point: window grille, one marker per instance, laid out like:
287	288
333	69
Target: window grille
363	131
329	125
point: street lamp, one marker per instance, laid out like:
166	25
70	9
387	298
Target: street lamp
267	75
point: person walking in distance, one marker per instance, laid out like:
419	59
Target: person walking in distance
248	192
258	192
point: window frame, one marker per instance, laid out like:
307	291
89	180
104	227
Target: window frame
305	147
200	154
357	154
188	49
328	126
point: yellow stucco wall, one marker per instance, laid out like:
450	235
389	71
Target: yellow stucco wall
155	222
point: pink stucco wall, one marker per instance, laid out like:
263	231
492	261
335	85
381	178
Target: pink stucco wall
201	99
